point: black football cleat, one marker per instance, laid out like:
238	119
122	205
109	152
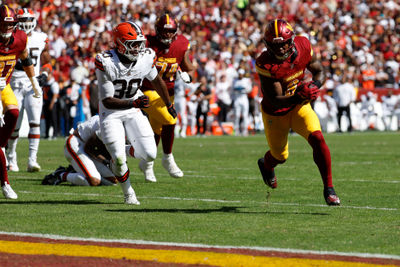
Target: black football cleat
54	178
330	197
268	176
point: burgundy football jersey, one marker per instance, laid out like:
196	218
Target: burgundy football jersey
10	53
168	60
289	73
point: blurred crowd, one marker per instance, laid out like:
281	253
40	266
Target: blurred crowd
358	42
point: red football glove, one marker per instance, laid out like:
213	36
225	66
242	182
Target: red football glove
141	102
307	91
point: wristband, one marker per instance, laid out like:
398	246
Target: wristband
317	83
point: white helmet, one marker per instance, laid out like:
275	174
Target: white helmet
26	20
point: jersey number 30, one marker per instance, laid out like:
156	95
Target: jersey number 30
125	89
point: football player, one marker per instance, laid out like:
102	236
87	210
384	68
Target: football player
120	73
172	51
286	102
37	49
88	157
13	46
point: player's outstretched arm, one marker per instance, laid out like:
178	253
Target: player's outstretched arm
28	67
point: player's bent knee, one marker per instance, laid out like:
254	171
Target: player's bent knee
119	166
93	181
316	137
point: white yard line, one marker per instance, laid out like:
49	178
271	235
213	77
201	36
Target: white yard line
210	200
192	245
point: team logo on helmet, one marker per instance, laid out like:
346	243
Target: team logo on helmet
279	38
166	29
8	21
26	20
129	39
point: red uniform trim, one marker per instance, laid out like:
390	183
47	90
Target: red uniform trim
76	158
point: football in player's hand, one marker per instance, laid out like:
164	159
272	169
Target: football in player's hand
307	91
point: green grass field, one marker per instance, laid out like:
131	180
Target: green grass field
222	199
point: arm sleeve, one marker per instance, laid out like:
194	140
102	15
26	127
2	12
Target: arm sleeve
106	87
152	74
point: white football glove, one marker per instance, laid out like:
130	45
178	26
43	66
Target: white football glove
1	113
36	87
185	76
3	83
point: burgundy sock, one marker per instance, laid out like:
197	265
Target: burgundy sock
322	157
10	120
157	138
167	137
270	162
3	168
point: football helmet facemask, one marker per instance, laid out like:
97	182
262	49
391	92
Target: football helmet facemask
8	21
129	40
279	38
166	29
26	20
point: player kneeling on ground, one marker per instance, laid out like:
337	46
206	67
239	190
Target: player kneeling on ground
88	157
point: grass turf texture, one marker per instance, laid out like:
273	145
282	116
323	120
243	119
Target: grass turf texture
222	199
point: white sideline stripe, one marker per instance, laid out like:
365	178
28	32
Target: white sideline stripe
193	245
341	180
212	200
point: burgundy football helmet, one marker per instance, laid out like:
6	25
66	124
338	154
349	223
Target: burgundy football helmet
279	38
8	21
166	29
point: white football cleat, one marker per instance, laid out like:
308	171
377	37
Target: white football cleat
8	192
13	167
169	164
12	162
33	167
147	168
131	199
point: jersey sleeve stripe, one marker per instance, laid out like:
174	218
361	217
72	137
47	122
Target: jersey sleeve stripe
263	72
99	65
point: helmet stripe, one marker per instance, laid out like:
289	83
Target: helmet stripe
167	16
276	28
8	11
137	29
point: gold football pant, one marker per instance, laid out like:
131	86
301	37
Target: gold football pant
158	112
302	119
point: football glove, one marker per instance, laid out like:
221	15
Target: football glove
42	79
1	113
171	110
308	91
3	83
185	76
141	102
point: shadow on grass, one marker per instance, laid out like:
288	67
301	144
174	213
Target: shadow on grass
222	210
51	202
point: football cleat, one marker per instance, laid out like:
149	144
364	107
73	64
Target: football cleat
131	199
13	167
169	164
33	167
54	178
330	197
8	192
147	168
268	176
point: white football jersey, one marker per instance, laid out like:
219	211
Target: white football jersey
88	128
36	43
123	81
